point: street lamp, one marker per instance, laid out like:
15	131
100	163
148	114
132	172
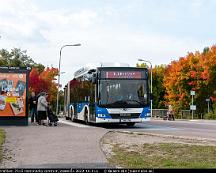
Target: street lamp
59	73
151	80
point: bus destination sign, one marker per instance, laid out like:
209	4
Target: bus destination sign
123	74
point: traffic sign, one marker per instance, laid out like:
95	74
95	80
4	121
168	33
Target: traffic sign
193	93
193	107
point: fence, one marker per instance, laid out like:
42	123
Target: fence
159	113
183	114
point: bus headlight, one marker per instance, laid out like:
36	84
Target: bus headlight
101	115
148	114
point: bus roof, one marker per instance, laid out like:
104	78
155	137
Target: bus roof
91	67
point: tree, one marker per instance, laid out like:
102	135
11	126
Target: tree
40	79
197	72
44	81
17	58
158	90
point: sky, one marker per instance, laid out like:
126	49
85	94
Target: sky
108	30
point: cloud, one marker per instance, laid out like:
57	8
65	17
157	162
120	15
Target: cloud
24	21
110	33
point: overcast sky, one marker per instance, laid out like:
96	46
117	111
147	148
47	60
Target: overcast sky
109	30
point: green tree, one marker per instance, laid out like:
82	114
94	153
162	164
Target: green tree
158	90
18	58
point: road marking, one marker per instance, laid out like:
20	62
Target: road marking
74	124
201	123
189	122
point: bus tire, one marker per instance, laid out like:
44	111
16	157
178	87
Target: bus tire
131	124
72	115
86	116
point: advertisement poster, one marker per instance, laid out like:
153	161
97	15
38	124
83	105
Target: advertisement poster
12	94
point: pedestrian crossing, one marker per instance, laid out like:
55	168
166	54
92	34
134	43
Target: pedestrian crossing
70	123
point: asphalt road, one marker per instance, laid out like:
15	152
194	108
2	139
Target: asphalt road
192	129
196	128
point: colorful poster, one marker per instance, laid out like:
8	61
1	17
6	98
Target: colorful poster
12	94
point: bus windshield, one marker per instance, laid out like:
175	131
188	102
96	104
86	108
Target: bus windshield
123	93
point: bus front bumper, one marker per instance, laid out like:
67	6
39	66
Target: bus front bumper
121	120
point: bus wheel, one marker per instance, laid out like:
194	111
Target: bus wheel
72	115
86	116
130	124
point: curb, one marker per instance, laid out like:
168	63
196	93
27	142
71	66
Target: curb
184	120
169	136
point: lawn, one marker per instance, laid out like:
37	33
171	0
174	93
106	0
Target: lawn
164	155
2	137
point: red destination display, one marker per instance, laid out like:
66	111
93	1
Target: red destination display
123	74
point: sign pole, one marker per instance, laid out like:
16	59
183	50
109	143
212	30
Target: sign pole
192	109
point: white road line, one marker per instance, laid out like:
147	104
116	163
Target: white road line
74	124
201	122
191	122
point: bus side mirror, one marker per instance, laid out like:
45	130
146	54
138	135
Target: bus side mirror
94	80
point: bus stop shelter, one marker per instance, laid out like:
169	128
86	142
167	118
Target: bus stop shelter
13	96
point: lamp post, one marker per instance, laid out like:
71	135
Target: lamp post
151	80
57	100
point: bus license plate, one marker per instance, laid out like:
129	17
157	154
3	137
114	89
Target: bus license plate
124	115
125	120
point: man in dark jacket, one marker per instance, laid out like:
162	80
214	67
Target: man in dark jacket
33	107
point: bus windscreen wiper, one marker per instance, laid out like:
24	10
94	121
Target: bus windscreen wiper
136	101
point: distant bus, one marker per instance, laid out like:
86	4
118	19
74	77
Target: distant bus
108	95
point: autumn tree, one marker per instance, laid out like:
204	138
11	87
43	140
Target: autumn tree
194	72
40	79
44	81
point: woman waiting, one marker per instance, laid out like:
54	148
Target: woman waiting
42	108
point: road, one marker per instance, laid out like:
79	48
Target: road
196	128
76	145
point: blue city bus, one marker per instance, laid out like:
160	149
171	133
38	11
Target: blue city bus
108	95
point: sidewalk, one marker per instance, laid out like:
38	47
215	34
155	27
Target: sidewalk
53	147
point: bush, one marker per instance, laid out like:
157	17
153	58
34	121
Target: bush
210	116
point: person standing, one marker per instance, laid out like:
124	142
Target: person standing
42	106
170	113
33	107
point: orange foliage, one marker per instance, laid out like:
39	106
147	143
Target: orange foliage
196	71
44	81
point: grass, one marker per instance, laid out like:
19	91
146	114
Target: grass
2	137
164	155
